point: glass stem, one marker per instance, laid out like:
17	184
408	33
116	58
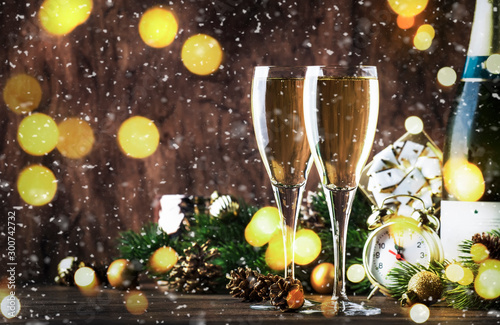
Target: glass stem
288	200
339	203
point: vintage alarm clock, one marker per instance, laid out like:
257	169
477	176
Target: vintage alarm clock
396	238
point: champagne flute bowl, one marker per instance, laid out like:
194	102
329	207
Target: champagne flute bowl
340	114
278	119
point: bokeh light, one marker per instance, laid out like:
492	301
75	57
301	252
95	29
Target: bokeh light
463	180
446	76
405	22
86	280
414	125
422	41
10	306
84	276
408	7
36	185
121	273
38	134
138	137
275	254
307	246
493	63
454	272
419	313
60	17
158	27
356	273
22	93
136	302
467	278
479	252
76	138
163	259
201	54
426	28
265	222
487	283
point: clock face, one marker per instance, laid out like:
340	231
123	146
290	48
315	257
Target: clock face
392	243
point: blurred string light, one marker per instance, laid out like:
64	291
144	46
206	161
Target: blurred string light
419	313
356	273
76	138
37	134
493	63
10	306
446	76
136	302
158	27
263	225
454	272
307	246
201	54
424	36
275	254
61	17
36	185
463	180
22	93
138	137
408	8
479	252
86	280
414	125
405	22
487	282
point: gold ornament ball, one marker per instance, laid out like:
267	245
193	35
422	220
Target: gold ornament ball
122	274
427	286
163	259
322	278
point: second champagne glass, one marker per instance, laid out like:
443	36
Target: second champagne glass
277	114
341	112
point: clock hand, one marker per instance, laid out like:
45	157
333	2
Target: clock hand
399	257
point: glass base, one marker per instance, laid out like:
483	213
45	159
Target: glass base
266	305
333	308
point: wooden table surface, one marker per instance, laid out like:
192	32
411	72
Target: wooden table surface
42	305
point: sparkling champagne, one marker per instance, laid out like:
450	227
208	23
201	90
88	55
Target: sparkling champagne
346	128
286	151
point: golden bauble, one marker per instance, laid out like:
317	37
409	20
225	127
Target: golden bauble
427	286
322	278
163	260
122	274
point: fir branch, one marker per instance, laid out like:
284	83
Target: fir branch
140	245
401	274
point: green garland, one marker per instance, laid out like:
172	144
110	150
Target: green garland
225	231
462	297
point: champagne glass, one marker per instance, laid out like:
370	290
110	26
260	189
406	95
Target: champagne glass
340	113
277	114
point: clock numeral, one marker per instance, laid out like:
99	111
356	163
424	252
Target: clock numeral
422	255
419	244
380	266
377	255
381	246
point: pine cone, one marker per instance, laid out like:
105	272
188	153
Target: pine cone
241	284
194	272
491	242
279	293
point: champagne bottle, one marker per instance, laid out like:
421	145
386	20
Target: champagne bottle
471	162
